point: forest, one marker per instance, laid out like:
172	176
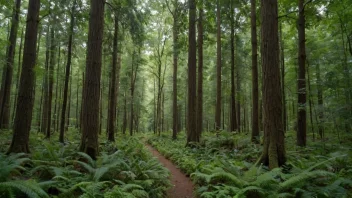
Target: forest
176	98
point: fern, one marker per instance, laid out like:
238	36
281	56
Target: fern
303	178
29	187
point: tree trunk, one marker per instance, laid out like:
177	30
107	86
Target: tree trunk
218	69
255	92
45	86
77	101
8	70
282	57
310	101
18	75
320	103
90	110
124	125
192	135
233	117
174	79
24	109
112	92
274	145
51	79
67	75
200	73
301	81
56	91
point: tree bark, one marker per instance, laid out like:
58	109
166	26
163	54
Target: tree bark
255	92
24	109
18	75
200	73
90	110
282	57
174	79
218	69
45	86
274	147
112	92
192	75
51	79
301	81
233	117
56	91
8	70
67	74
320	103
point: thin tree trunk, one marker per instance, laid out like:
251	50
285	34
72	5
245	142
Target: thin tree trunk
200	73
218	69
18	75
124	125
233	117
174	79
51	79
255	92
24	109
56	91
320	103
282	55
67	75
112	91
8	70
310	103
45	92
192	135
301	82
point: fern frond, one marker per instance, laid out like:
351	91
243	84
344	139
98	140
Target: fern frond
90	161
130	187
302	178
29	187
227	177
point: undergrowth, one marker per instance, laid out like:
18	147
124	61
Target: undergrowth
123	169
222	165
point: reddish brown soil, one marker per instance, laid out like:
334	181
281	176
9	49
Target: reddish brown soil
182	186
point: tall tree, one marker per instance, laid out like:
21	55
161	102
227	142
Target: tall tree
91	88
200	72
25	101
192	135
233	119
218	68
51	76
175	34
8	69
301	81
67	74
18	75
274	146
45	86
112	91
255	94
320	103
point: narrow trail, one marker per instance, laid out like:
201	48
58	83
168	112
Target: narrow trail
182	186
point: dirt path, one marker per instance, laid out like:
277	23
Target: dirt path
182	186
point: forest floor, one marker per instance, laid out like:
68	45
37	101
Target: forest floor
182	186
